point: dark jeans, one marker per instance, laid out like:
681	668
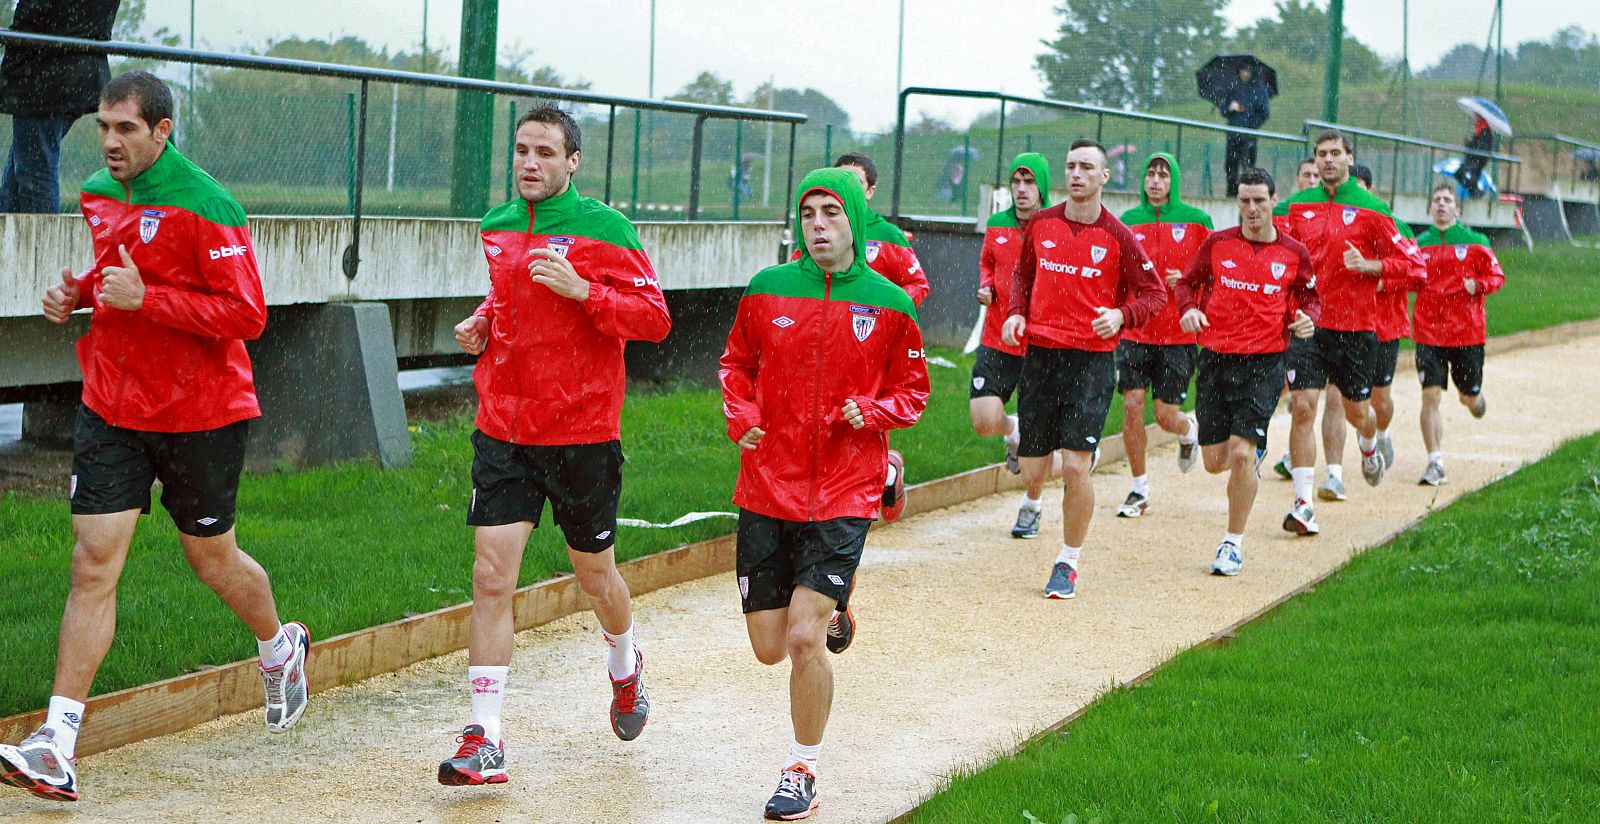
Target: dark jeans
31	182
1241	156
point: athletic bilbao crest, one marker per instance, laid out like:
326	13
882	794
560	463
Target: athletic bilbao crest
1349	215
864	319
150	223
1278	270
1178	231
560	245
873	248
1097	253
1461	252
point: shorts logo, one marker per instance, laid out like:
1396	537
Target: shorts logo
863	325
1290	375
873	249
206	521
1048	244
1091	439
783	322
1349	215
1261	432
1228	264
1178	231
1097	253
977	382
72	488
836	580
744	587
1461	252
473	503
1278	270
602	536
150	223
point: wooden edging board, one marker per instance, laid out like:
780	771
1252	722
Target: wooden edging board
188	700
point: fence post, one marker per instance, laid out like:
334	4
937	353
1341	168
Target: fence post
899	151
350	159
352	253
694	166
827	145
966	169
474	127
611	145
511	147
1000	147
633	206
738	164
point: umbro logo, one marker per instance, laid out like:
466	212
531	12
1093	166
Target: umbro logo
1228	264
836	580
1001	239
207	521
783	322
602	536
494	251
1048	244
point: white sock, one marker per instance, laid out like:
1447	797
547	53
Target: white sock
63	719
275	651
619	653
1141	485
1234	538
1436	457
806	754
487	685
1367	444
1191	434
888	478
1069	555
1383	435
1031	503
1015	435
1303	477
1336	472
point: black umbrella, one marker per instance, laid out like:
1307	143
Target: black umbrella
1216	77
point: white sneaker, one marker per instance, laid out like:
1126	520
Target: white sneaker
1372	467
1386	449
1332	489
37	765
286	685
1189	453
1229	559
1301	520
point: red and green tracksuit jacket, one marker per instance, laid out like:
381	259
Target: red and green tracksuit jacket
1445	315
1325	224
804	342
1248	290
1002	246
1170	235
889	253
1394	293
178	363
552	372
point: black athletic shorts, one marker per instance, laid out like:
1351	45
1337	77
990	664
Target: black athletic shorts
1463	363
1063	399
1166	368
1388	359
1348	359
113	468
995	374
775	556
583	483
1236	395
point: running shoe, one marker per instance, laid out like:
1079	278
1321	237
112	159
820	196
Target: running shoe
630	706
1027	525
796	797
1229	560
478	761
894	495
1372	468
1190	452
36	765
1282	468
1479	407
1386	449
1013	461
1331	490
1134	506
841	630
1301	520
1063	582
1434	475
286	685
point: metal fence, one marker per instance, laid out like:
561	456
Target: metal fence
1404	166
1558	166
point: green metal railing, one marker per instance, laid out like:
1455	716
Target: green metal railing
1410	159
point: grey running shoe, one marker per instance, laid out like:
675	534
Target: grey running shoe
796	797
841	630
1386	449
1134	506
1189	453
1027	525
478	761
1479	407
286	685
1434	475
1301	520
1063	582
1331	490
630	706
36	765
1013	462
1229	560
1282	468
1372	467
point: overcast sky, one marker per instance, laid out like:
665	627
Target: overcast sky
846	48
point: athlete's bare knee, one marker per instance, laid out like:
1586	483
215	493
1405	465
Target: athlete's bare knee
804	640
1171	418
1303	408
94	567
492	579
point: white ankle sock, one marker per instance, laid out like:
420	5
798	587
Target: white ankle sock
1383	434
1015	436
888	478
1191	434
1436	457
1303	477
488	686
806	754
1336	472
1367	444
275	650
1031	503
619	653
1235	538
63	719
1069	555
1141	485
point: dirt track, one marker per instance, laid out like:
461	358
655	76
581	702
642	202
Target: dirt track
959	657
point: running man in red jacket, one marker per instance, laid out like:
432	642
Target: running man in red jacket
1244	292
824	358
168	394
1449	320
570	284
998	366
1080	279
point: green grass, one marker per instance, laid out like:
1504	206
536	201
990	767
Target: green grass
1450	675
1550	285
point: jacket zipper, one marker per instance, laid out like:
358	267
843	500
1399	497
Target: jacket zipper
516	408
122	351
816	398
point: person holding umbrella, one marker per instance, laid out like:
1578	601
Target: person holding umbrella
1487	120
1247	104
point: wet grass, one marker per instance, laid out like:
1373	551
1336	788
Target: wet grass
1449	675
1550	285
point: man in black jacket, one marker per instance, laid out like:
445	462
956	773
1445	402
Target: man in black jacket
1247	105
45	90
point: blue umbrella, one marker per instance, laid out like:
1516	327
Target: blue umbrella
1487	110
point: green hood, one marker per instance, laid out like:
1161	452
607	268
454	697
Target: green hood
1175	211
1349	193
1457	235
1040	166
845	186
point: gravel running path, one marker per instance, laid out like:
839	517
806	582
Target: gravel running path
958	659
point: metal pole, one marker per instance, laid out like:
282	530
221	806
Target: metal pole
1000	147
1330	84
694	166
638	119
899	152
966	169
1179	153
827	144
474	126
422	92
352	254
900	52
788	187
189	114
611	145
738	164
1099	128
1499	44
766	164
394	126
350	157
650	117
511	147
